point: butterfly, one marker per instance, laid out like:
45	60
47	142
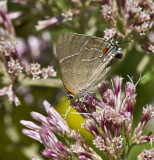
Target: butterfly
84	61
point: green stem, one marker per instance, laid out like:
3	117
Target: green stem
129	149
83	18
128	142
52	82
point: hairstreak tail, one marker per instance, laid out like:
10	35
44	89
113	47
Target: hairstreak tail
84	61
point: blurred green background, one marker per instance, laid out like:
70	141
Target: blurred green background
15	145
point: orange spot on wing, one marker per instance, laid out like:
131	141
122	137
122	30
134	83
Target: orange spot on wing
105	51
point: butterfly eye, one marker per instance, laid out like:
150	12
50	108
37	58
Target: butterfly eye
119	53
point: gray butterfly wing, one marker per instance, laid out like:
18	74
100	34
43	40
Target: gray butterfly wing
67	49
92	64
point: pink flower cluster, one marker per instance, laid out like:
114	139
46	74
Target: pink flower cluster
109	121
46	132
105	119
13	64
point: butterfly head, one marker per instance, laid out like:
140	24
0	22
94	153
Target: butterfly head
70	96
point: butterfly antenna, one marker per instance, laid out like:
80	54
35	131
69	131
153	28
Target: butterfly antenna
126	40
